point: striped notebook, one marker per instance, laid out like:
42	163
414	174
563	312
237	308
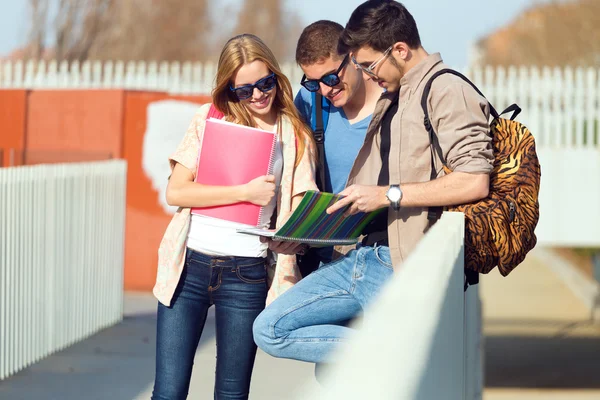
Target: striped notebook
310	223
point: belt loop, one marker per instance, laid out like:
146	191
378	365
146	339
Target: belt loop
188	255
375	238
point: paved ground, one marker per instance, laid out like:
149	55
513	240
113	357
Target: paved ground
539	345
118	364
539	338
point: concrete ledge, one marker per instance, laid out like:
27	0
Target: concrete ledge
586	289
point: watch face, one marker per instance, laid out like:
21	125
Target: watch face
393	194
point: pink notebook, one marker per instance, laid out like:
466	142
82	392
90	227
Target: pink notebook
233	154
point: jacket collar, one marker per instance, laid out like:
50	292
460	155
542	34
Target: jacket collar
413	78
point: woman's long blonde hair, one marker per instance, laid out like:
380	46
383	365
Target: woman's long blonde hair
244	49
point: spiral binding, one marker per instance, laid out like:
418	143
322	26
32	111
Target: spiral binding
317	241
269	172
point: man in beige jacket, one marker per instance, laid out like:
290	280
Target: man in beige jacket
393	171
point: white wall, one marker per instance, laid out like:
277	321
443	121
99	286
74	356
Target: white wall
569	197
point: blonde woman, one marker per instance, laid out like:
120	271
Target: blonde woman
203	261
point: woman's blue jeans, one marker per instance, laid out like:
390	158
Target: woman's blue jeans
237	287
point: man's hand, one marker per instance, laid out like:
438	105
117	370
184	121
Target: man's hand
284	247
361	198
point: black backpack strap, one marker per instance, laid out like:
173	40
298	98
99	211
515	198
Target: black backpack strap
456	73
319	136
515	109
471	278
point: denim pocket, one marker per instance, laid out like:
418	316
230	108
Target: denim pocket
383	256
252	273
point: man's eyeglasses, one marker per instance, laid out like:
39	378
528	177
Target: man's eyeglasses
369	70
265	85
331	80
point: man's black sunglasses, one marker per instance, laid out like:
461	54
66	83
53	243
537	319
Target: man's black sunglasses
264	85
331	80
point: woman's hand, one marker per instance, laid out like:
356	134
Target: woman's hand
260	191
182	191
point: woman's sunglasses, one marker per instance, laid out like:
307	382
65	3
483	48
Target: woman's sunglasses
265	85
331	80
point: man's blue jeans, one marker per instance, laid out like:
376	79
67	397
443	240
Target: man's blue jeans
238	289
306	322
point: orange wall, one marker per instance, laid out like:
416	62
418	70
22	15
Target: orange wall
74	125
146	221
13	109
84	125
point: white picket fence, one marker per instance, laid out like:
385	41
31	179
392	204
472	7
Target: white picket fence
561	106
421	338
174	77
61	257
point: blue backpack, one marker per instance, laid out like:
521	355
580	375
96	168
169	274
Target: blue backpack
318	122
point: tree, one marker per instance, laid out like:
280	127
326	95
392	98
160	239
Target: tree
268	20
173	30
125	29
556	34
159	30
37	32
78	25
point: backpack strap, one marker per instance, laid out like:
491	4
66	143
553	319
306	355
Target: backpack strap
515	109
325	105
471	278
464	78
435	212
214	113
320	112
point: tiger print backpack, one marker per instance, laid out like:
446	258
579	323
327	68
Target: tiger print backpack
499	229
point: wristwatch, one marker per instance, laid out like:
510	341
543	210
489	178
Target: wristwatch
394	195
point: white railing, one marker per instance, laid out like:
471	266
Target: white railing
61	256
419	340
561	106
174	77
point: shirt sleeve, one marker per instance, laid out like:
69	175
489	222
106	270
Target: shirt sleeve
460	116
186	153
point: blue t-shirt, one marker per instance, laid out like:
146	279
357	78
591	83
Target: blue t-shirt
342	141
342	144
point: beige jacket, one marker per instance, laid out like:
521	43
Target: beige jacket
295	181
460	118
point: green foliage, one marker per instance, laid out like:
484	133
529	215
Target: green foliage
594	133
586	251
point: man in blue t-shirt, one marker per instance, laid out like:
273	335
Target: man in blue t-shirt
348	103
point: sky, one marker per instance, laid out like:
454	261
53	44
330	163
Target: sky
448	27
